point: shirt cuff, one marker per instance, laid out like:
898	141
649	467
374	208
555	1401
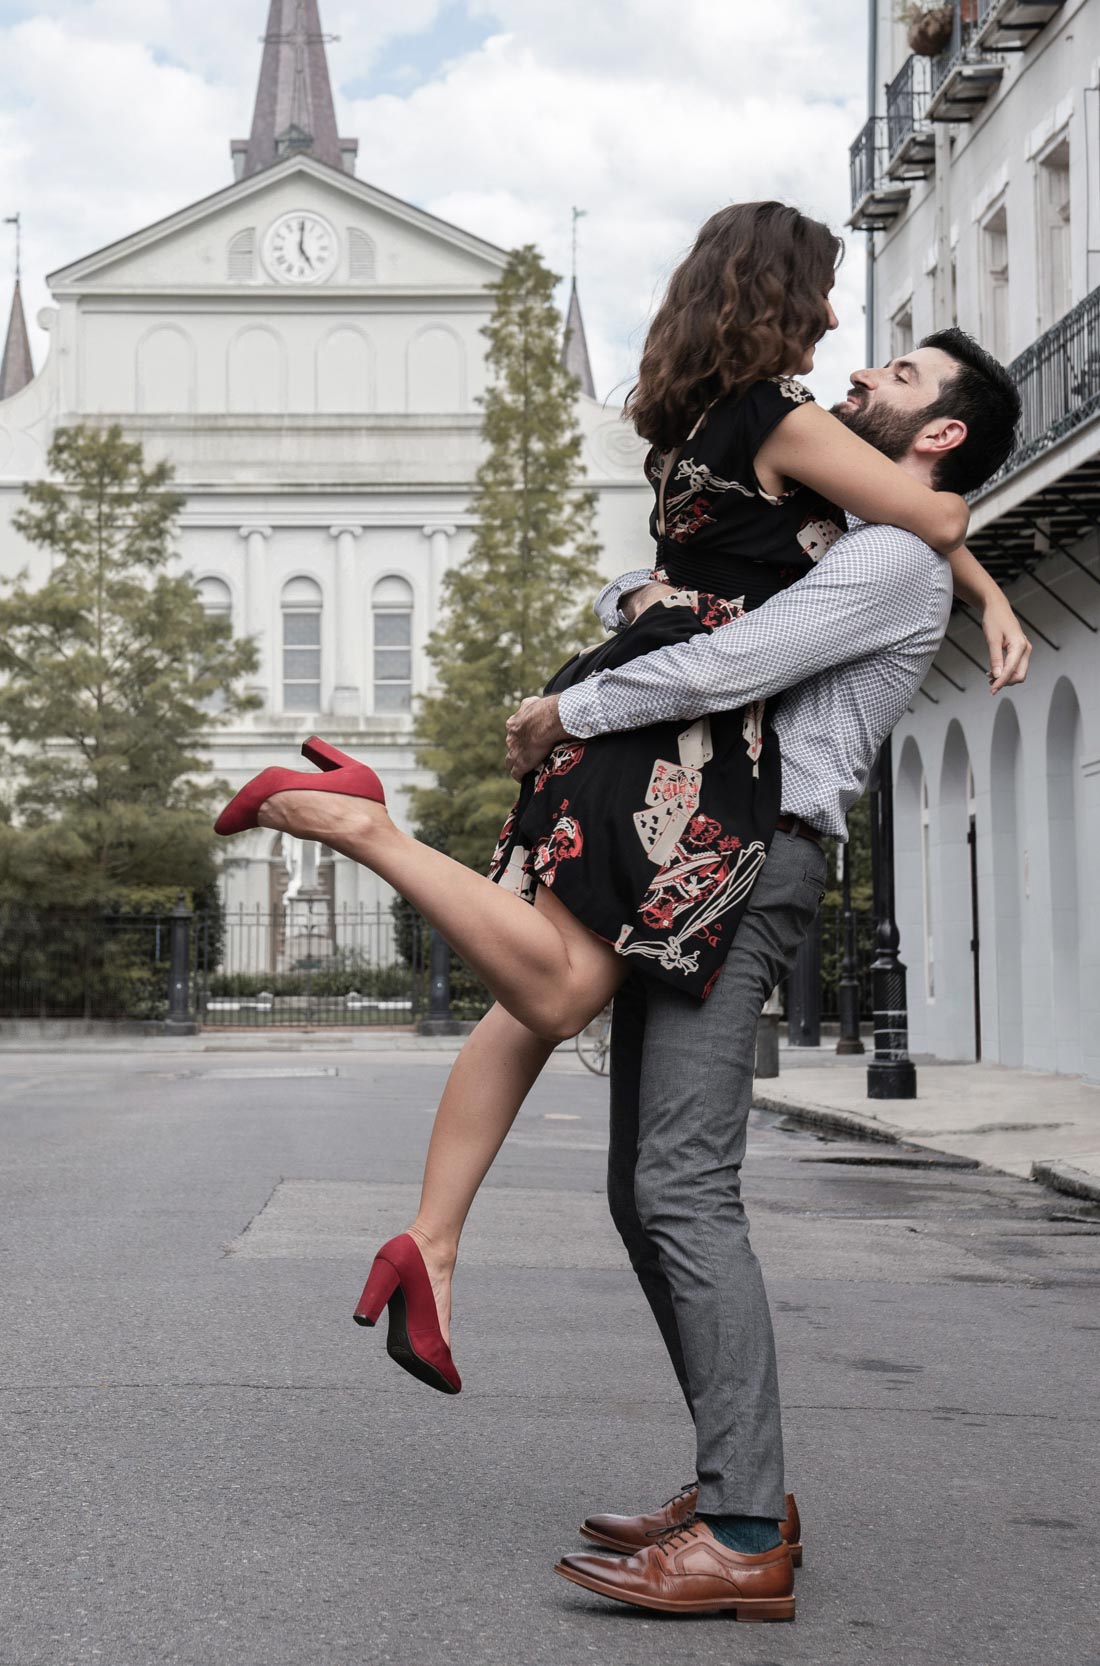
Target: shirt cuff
579	711
607	602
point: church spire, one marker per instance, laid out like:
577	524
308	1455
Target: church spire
574	350
17	366
294	107
574	347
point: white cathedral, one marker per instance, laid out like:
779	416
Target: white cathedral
305	350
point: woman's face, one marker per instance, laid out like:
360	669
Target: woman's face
807	363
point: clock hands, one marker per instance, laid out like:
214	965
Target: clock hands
302	245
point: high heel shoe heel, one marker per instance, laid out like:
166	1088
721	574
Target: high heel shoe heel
399	1280
326	757
341	775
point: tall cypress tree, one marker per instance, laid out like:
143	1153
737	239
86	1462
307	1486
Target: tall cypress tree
519	605
108	672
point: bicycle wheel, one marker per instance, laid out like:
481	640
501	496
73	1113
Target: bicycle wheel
594	1043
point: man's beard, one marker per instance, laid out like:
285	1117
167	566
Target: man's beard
891	432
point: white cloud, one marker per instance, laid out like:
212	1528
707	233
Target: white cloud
114	113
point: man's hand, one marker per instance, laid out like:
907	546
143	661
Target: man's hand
636	601
533	732
1009	648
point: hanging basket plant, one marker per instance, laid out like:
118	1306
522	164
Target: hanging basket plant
929	28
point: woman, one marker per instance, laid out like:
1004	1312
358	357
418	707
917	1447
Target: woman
717	399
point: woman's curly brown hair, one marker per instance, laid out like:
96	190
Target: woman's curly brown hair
747	302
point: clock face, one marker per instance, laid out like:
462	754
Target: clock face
301	248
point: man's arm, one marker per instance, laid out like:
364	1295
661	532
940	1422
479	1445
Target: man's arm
874	590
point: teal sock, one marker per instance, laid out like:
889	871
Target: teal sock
749	1534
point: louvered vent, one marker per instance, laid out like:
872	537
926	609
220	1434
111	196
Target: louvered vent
242	256
361	257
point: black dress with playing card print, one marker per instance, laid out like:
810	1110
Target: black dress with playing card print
653	837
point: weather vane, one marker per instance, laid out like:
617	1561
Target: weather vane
578	214
16	221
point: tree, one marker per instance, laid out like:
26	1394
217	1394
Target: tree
518	607
109	670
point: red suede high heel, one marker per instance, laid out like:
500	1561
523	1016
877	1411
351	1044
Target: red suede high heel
399	1279
342	775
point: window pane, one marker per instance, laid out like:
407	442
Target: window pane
302	664
302	628
393	697
302	697
393	630
393	664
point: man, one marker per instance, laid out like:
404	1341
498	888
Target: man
851	645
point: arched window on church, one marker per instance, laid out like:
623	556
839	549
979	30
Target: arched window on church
242	256
392	610
217	603
301	645
362	263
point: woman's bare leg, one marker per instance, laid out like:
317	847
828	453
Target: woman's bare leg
488	1083
546	968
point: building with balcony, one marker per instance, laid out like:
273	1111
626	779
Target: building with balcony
997	144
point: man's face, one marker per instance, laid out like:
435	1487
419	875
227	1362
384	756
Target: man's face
886	407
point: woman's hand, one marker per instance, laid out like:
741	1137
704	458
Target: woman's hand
1009	648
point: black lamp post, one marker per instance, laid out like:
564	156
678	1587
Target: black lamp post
847	989
891	1073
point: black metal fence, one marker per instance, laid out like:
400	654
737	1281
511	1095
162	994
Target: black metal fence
90	964
307	963
254	968
832	956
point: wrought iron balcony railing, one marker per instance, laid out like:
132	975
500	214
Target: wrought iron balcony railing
1012	25
966	73
910	140
877	200
1059	381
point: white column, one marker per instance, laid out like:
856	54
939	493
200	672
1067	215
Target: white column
346	691
257	606
439	536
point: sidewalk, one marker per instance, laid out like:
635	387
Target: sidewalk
1018	1121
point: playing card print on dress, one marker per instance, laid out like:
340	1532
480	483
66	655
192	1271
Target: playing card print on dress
564	842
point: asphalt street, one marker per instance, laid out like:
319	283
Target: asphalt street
206	1463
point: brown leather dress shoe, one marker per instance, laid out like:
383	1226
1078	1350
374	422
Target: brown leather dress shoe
688	1571
630	1533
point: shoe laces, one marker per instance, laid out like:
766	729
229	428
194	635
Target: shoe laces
658	1533
672	1535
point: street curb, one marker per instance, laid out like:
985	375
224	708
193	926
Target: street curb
1063	1177
835	1122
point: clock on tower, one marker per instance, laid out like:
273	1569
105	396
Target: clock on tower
300	248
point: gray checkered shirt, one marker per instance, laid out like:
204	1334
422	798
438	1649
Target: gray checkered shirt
850	643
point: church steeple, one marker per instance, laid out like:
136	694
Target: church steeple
17	366
294	107
574	349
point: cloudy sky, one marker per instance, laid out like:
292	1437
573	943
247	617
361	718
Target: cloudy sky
496	114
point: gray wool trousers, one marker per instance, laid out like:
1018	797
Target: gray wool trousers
681	1091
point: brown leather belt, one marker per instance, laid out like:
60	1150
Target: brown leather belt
791	824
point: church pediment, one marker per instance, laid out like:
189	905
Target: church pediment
299	225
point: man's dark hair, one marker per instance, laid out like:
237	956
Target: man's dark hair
983	395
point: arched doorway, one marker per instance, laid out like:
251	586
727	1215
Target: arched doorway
1065	822
1007	822
956	903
